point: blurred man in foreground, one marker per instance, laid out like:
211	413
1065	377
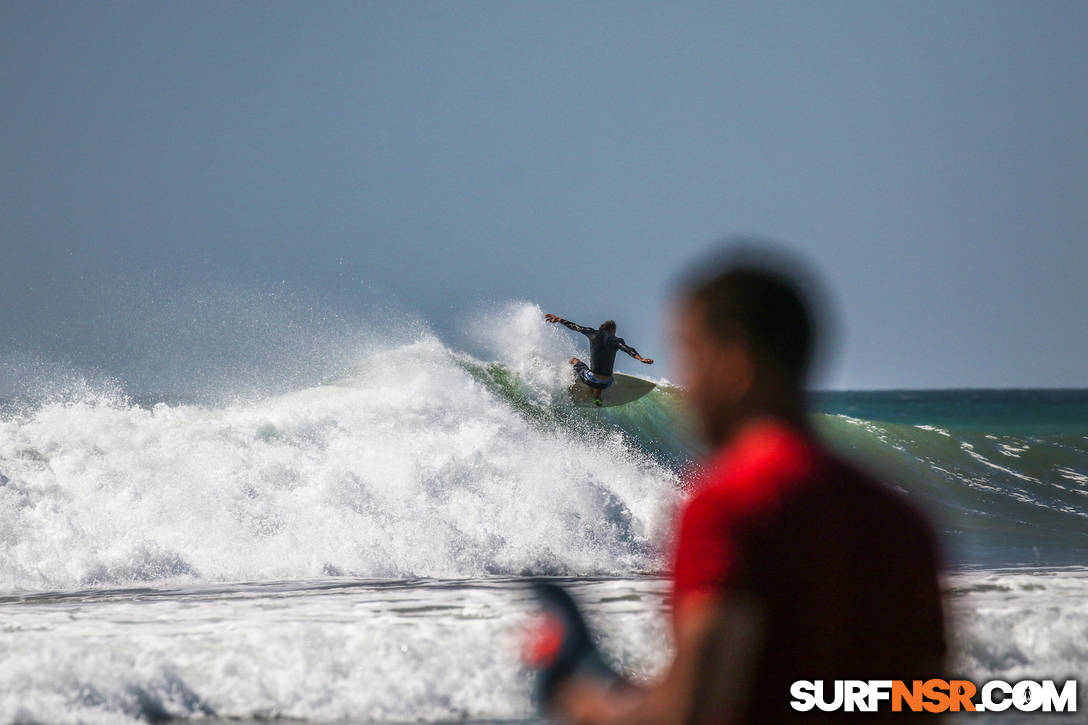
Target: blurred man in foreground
789	564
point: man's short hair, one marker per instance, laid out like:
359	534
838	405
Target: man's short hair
609	326
762	298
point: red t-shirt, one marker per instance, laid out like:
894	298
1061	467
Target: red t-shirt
842	568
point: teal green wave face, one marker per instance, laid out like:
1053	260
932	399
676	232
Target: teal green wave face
1004	474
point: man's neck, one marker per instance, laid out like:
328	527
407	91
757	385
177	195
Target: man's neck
790	413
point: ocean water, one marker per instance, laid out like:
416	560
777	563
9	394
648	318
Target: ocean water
355	551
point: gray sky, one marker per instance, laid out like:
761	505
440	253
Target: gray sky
930	159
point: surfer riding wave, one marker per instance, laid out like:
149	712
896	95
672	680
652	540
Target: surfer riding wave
603	345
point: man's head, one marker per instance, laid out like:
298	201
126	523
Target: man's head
608	326
745	343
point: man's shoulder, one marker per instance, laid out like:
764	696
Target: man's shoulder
776	467
708	501
761	466
886	496
846	493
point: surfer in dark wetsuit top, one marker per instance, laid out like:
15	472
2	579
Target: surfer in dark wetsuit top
603	345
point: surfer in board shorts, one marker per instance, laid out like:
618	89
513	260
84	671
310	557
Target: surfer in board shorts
603	345
789	563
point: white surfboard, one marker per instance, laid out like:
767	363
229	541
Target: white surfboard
625	389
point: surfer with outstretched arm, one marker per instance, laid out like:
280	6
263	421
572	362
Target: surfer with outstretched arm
789	563
603	345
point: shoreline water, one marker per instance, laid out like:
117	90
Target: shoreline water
367	651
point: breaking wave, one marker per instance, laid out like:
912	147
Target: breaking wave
426	461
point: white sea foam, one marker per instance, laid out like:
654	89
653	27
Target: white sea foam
409	468
1013	450
334	650
1021	624
1071	475
969	449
